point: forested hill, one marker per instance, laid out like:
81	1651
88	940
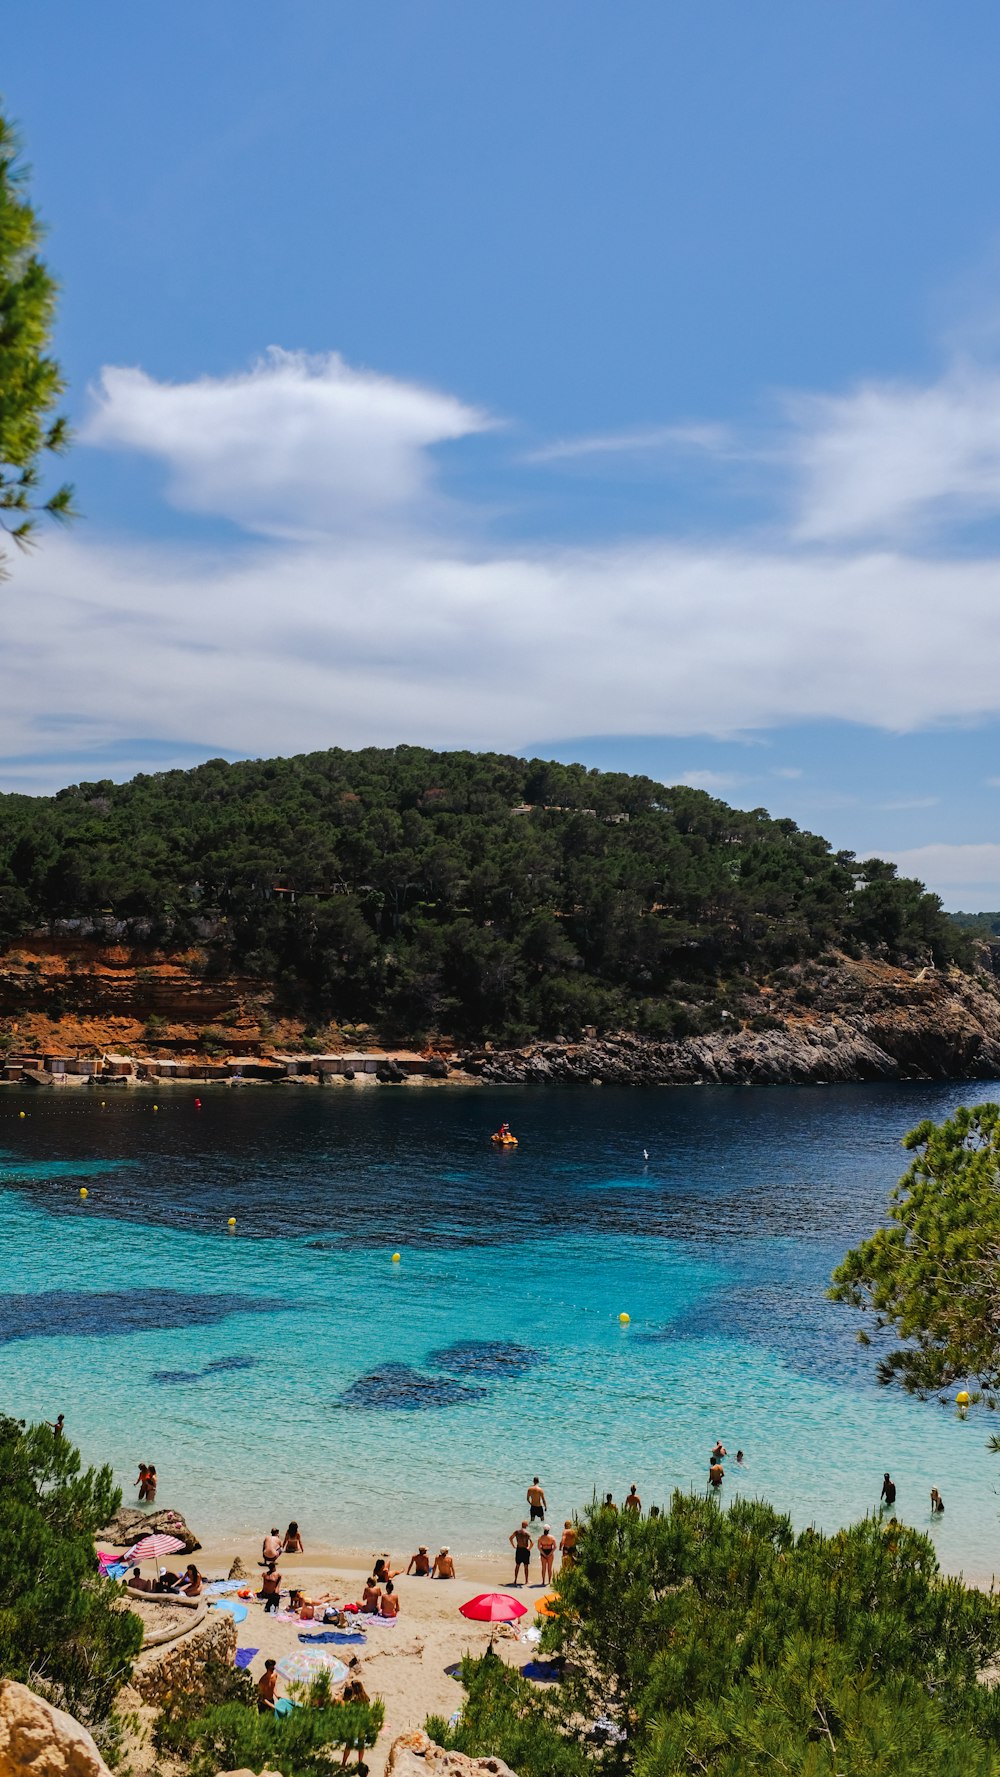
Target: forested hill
472	894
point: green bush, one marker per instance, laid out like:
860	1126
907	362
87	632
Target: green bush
231	1735
723	1642
61	1626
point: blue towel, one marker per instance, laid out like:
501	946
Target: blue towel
116	1571
542	1671
243	1657
335	1635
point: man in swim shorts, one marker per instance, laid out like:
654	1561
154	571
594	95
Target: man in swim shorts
522	1544
536	1500
567	1544
716	1474
444	1566
267	1687
888	1492
420	1563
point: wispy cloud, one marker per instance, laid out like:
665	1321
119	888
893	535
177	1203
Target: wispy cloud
893	459
906	802
710	440
958	872
789	771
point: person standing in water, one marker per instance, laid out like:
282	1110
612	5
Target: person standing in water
632	1501
536	1500
888	1492
937	1503
716	1474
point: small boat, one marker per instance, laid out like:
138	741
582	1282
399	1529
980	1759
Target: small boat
504	1141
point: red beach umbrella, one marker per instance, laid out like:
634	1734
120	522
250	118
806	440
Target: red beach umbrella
493	1607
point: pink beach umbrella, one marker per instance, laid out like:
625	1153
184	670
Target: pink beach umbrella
151	1548
493	1607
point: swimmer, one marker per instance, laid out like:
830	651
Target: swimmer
937	1503
716	1474
888	1492
719	1452
536	1500
739	1457
632	1501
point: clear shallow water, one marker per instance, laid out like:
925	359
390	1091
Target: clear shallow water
291	1370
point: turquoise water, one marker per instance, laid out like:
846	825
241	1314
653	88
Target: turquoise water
292	1370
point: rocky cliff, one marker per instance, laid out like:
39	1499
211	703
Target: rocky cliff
820	1023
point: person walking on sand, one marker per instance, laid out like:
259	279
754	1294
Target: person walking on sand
271	1547
522	1544
888	1492
536	1500
547	1546
567	1545
267	1687
632	1501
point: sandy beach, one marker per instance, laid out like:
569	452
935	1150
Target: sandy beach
405	1662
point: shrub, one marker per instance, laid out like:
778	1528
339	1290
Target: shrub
61	1627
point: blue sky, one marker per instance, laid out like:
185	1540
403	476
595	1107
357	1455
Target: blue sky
615	383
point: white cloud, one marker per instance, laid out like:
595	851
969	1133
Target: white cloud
892	459
295	445
789	771
906	802
280	647
712	440
966	876
710	780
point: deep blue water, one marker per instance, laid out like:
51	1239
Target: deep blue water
291	1368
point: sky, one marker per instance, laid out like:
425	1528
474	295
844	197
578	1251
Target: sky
618	384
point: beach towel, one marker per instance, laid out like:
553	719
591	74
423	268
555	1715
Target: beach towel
335	1635
243	1657
542	1671
115	1570
217	1588
364	1616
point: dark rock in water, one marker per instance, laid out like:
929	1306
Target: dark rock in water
49	1314
399	1387
238	1361
485	1357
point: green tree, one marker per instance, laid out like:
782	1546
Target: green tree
30	380
722	1641
933	1274
61	1626
231	1735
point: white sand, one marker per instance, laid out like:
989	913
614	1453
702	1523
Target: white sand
404	1662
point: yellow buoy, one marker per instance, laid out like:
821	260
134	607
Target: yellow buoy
962	1398
395	1258
624	1318
20	1113
232	1222
83	1190
156	1107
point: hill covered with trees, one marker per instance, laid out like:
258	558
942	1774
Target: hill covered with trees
475	894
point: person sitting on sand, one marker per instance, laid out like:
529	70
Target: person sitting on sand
443	1567
632	1501
420	1563
270	1588
291	1542
371	1598
137	1583
716	1474
567	1544
191	1581
547	1546
271	1547
168	1580
389	1606
384	1572
267	1688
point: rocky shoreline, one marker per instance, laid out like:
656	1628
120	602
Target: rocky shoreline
866	1021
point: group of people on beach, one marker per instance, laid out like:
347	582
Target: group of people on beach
379	1597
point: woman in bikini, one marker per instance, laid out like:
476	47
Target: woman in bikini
291	1542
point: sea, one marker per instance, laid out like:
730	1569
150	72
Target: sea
290	1365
